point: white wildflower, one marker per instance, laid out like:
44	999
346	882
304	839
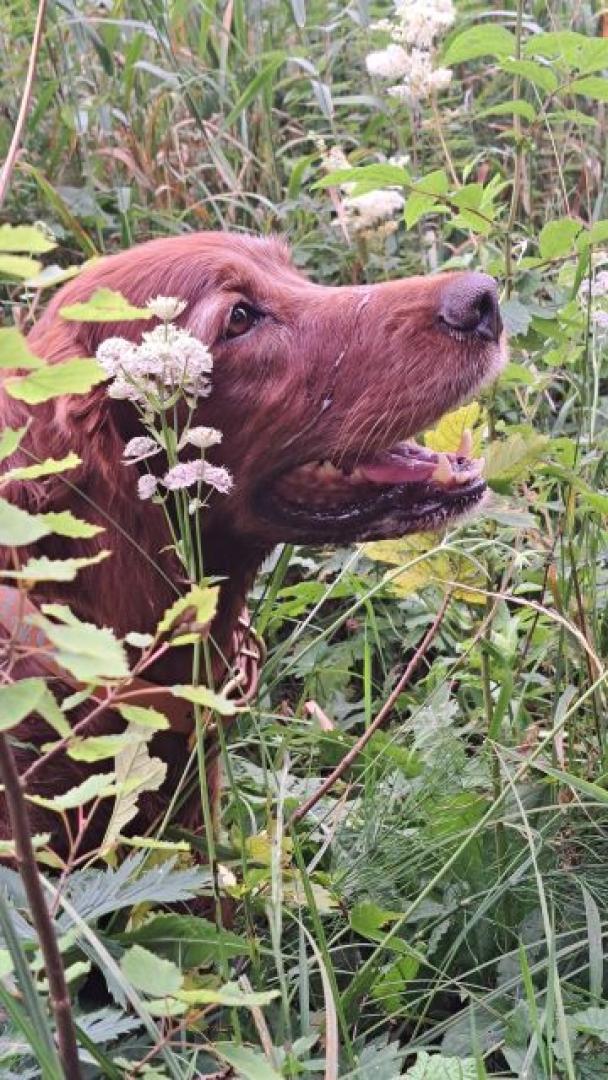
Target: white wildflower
167	356
114	354
600	319
166	308
334	158
366	210
202	437
139	448
187	473
389	63
421	78
419	22
599	285
146	486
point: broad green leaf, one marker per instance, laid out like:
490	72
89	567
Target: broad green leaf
202	695
513	457
438	1067
26	238
88	652
52	275
63	523
230	995
557	238
422	199
439	569
105	305
592	1021
593	86
249	1064
538	74
49	467
559	44
390	986
10	439
15	351
596	234
18	528
150	973
18	267
143	717
75	376
101	747
366	178
18	700
445	438
44	569
188	940
136	772
507	108
201	600
488	39
516	318
98	786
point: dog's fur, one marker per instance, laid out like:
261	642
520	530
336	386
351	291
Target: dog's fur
327	373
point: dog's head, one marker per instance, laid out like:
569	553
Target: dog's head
318	390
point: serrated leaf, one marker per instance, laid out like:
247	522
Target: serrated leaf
593	86
75	376
425	197
389	987
94	748
511	458
445	438
250	1064
10	439
48	467
28	238
94	787
15	351
202	599
105	305
230	995
18	700
150	973
18	266
515	316
88	652
143	717
516	107
439	569
538	74
486	40
187	940
592	1021
44	569
202	695
557	238
18	528
438	1067
136	772
366	178
63	523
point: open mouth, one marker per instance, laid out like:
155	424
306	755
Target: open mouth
407	488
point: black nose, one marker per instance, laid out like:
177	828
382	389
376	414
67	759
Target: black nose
469	303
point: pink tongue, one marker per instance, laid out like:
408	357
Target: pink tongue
398	471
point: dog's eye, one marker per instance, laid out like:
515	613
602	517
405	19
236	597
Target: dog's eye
242	318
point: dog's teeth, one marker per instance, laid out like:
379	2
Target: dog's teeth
443	470
465	447
356	474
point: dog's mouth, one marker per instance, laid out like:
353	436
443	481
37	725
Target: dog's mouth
407	488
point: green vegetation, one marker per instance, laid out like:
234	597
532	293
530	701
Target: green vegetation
441	911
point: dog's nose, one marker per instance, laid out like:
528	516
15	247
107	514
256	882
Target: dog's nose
469	303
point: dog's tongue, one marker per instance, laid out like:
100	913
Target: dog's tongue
402	465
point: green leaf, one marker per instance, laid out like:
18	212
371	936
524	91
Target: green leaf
486	40
136	772
143	717
150	973
422	199
559	44
15	351
592	1021
259	81
250	1064
105	305
200	599
593	86
596	234
230	995
98	786
18	266
507	108
438	1067
49	467
513	457
373	922
28	238
18	700
88	652
538	74
389	987
516	317
75	376
101	747
366	178
18	528
188	940
557	238
202	695
63	523
10	440
44	569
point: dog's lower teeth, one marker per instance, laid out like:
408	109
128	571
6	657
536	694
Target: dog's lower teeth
443	472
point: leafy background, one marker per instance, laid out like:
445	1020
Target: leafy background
441	913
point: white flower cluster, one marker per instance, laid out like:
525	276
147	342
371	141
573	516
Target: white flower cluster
167	357
595	294
409	55
368	212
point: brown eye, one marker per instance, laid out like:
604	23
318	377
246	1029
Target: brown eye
242	318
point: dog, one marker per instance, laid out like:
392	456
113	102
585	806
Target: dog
318	391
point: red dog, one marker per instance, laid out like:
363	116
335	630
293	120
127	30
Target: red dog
315	390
